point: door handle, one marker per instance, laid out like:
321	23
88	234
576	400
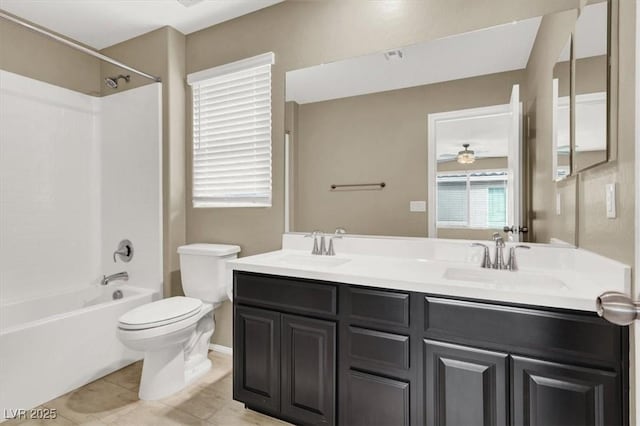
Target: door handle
516	229
617	308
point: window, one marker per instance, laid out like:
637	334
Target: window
232	134
475	199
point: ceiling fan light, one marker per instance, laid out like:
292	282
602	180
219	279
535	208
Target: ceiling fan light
466	156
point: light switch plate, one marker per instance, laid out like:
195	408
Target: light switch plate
417	206
611	200
558	204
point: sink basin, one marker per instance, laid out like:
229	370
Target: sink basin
504	278
313	261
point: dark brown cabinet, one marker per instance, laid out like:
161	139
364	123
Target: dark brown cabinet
308	369
256	374
316	353
284	364
550	394
376	401
464	385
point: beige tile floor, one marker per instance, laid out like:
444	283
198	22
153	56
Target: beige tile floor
113	400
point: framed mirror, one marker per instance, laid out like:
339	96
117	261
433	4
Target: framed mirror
561	114
424	140
591	77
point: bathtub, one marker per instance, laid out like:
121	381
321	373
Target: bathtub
52	345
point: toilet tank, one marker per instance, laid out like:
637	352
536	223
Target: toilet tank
203	270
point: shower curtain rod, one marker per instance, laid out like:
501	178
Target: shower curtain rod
77	46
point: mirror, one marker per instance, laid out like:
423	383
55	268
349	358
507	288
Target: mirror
591	82
474	151
376	144
561	111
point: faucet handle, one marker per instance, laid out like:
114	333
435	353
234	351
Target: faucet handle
124	251
512	265
486	257
338	234
498	239
314	235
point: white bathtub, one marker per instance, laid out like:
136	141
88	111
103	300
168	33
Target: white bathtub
52	345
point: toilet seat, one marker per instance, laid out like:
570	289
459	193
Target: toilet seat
160	313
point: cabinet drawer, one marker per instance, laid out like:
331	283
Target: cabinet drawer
554	335
285	293
374	400
378	348
383	307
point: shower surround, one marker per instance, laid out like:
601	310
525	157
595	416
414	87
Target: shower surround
77	175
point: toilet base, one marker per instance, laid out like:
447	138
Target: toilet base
169	369
194	372
162	373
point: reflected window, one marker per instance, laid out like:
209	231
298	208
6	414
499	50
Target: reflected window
477	199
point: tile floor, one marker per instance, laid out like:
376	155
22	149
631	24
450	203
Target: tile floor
113	400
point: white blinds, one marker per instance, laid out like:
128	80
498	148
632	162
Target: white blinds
232	134
472	199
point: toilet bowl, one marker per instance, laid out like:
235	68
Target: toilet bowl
174	333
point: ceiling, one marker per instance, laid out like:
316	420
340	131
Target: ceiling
492	50
488	136
102	23
590	33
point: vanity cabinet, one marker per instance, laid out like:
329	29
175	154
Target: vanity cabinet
313	352
285	364
256	375
465	385
308	369
546	393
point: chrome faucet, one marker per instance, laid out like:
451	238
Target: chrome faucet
486	257
498	259
320	249
336	235
323	244
512	265
106	279
316	250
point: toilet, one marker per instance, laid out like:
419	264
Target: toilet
174	333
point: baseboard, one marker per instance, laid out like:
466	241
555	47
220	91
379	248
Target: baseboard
221	349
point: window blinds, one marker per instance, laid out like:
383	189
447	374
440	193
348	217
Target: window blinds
472	199
232	134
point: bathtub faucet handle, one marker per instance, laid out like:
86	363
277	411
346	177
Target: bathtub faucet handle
124	251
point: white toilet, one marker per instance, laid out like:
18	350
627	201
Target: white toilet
174	333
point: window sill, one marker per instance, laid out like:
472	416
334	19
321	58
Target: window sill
229	205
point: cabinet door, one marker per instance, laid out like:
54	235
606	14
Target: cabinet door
308	370
376	401
256	361
550	394
464	385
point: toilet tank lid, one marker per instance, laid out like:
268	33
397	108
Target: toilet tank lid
209	249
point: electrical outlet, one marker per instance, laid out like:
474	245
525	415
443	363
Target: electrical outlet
558	204
610	189
417	206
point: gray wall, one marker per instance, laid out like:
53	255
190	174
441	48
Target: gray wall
303	34
380	137
35	56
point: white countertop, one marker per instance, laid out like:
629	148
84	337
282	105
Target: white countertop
573	281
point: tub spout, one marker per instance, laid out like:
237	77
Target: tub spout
106	279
